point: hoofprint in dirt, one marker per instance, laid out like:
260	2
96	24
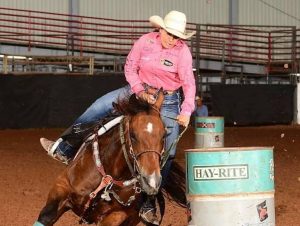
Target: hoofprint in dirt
27	173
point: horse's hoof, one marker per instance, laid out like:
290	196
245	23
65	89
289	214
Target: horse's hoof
149	216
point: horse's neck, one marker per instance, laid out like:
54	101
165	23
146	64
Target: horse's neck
111	154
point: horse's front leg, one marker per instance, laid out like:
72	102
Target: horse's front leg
50	214
115	218
56	205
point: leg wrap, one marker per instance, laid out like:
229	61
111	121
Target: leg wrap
38	224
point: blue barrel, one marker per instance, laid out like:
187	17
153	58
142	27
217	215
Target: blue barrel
209	132
230	186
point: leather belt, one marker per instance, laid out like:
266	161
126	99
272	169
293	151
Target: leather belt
169	92
166	92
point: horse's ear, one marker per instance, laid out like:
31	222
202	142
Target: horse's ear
133	100
117	107
160	98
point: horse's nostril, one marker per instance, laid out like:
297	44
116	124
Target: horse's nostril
153	180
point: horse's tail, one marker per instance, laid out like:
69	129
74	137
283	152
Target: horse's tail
174	187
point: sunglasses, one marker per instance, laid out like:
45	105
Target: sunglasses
171	35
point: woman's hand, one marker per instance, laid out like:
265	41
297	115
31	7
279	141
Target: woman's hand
183	120
147	97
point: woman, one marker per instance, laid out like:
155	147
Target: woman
157	60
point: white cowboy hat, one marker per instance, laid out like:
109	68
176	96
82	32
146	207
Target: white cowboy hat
174	23
198	98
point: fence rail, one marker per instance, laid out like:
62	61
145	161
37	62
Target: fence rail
255	44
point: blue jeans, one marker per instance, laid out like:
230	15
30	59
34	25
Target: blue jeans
169	111
102	107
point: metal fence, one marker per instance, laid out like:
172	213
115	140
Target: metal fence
269	45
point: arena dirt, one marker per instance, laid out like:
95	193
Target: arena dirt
26	173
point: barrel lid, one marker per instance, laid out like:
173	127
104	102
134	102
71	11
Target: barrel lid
228	149
210	117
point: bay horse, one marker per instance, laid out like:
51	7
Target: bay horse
103	184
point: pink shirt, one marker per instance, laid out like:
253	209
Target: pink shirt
148	62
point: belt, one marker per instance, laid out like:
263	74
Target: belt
166	92
169	92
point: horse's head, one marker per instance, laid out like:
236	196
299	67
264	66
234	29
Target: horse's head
146	141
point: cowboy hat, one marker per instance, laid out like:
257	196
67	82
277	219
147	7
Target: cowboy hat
174	23
198	98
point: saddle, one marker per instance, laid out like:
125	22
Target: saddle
77	134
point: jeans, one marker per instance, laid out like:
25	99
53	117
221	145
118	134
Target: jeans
169	111
102	107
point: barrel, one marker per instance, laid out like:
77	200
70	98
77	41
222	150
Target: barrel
209	132
230	186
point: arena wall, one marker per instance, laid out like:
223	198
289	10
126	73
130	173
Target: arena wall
242	105
37	101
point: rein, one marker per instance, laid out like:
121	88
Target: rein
166	154
123	143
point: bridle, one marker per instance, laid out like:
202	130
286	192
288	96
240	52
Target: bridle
135	168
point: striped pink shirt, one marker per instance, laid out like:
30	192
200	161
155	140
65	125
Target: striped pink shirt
148	62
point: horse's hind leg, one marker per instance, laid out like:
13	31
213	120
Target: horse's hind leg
115	218
56	205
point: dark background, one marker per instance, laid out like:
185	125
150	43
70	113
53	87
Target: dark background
253	104
38	101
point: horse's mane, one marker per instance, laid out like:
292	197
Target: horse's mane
131	105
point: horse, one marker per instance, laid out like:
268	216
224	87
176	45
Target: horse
105	182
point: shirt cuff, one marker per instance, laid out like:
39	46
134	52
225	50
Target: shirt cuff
186	113
137	88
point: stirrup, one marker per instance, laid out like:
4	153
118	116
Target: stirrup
149	216
51	149
59	157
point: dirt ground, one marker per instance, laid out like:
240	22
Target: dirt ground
26	172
